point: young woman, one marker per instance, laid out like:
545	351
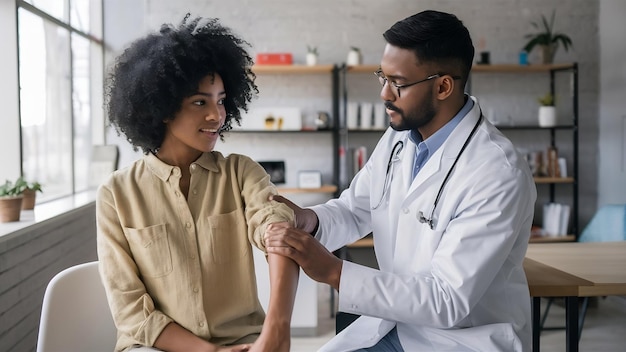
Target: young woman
175	228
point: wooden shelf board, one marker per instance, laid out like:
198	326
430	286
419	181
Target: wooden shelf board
496	68
554	180
363	69
361	130
295	69
552	239
534	127
515	68
323	189
239	130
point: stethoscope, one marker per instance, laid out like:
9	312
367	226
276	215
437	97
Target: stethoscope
394	156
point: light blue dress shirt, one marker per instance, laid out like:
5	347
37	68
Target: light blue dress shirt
426	148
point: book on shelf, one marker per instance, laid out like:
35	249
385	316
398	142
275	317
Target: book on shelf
555	219
350	162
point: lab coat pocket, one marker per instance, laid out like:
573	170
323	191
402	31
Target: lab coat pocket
227	237
151	249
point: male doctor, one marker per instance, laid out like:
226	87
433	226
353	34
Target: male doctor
449	202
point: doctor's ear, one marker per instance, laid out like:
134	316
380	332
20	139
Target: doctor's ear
445	86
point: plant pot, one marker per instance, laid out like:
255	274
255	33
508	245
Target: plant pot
547	53
10	208
28	203
311	59
547	116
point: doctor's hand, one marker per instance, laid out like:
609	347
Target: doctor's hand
316	261
306	219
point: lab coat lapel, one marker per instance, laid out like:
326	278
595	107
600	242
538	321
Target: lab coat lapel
429	179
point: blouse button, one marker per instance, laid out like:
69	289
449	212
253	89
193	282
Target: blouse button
195	191
201	324
188	225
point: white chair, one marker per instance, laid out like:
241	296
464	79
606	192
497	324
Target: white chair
75	315
104	160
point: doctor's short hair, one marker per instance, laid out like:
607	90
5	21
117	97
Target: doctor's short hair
150	79
435	37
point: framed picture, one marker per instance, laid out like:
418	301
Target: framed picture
276	170
309	179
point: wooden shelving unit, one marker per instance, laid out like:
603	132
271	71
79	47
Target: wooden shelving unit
514	68
552	182
552	239
299	70
549	180
292	69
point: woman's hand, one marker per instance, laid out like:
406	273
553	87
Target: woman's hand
235	348
274	338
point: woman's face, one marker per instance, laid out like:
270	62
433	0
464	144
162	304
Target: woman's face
195	127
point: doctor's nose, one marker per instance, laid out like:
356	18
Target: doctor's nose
386	92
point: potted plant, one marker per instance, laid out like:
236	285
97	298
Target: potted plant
30	194
311	56
11	200
547	111
547	39
354	56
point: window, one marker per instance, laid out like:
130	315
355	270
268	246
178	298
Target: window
60	77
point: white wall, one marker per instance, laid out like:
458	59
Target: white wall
612	141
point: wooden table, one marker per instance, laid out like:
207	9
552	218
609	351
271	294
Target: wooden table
573	270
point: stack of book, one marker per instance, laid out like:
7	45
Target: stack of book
555	219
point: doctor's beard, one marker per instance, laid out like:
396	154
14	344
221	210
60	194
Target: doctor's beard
415	119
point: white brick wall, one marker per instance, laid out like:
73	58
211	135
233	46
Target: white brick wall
28	262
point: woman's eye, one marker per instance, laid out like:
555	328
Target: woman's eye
199	102
221	101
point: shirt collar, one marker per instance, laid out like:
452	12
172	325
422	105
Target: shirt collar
163	171
436	140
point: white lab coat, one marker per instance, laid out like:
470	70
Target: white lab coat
459	287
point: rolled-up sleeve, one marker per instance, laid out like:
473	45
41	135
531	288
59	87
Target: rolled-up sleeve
260	211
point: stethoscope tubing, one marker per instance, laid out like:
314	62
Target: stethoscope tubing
395	153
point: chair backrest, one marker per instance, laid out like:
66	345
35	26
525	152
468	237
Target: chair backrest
104	160
75	315
608	224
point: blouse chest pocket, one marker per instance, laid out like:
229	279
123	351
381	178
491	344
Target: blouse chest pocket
151	249
226	238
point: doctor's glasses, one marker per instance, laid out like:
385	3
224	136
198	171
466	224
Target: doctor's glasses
383	79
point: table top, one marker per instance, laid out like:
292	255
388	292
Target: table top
603	264
546	281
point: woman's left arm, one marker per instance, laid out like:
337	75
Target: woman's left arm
276	334
284	272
